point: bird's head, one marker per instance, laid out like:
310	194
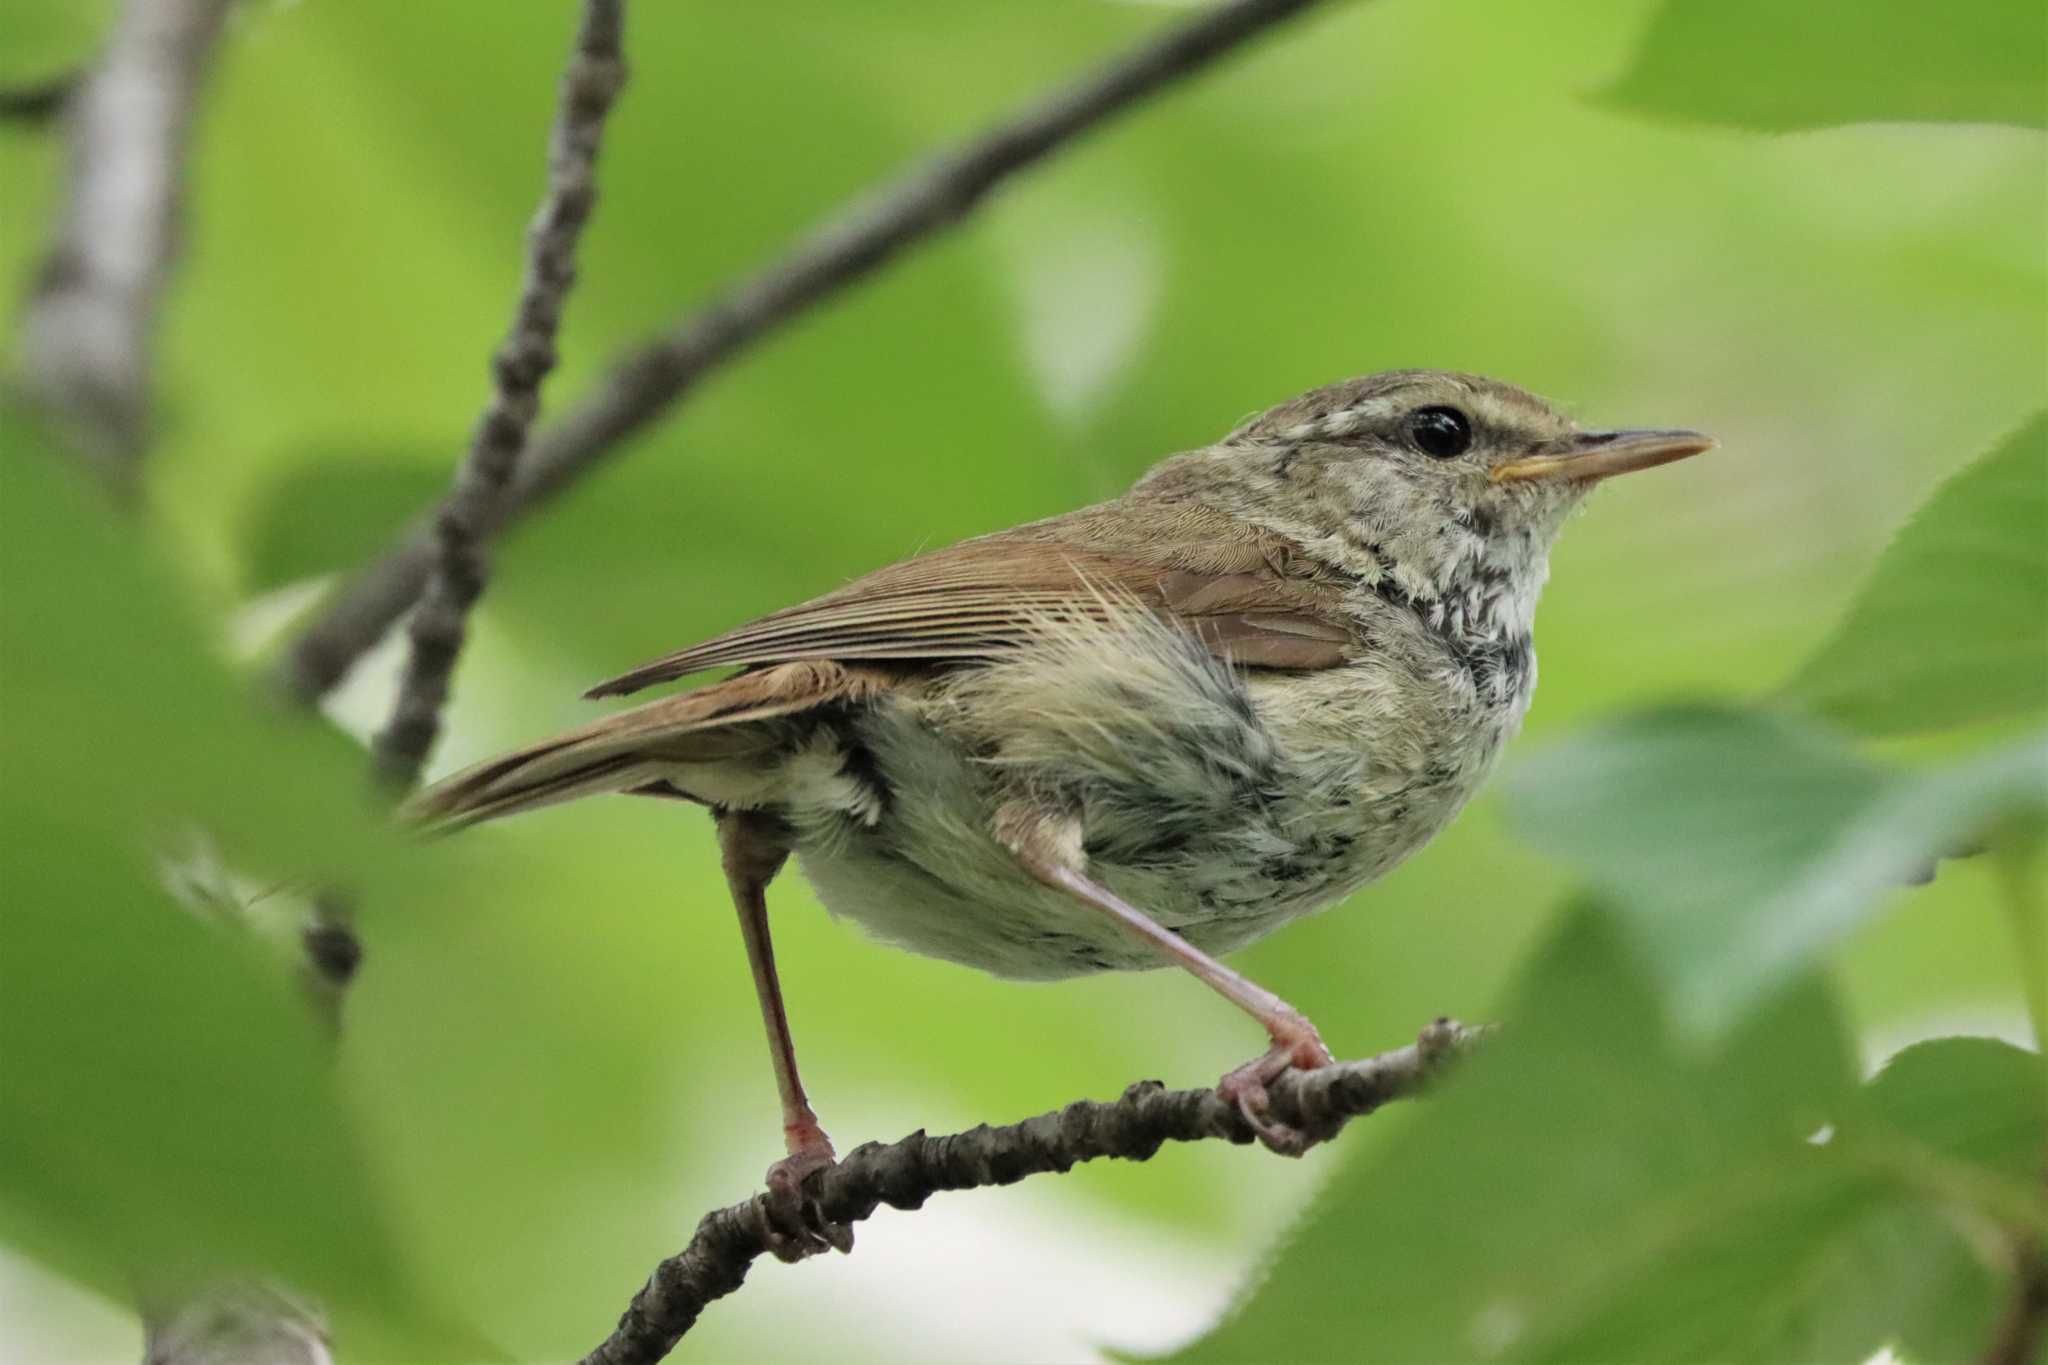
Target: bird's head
1424	475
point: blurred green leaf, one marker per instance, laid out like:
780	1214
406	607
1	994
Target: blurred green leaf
209	1136
1978	1101
1953	625
1735	846
1958	1130
333	509
1974	1102
1755	64
40	39
170	1108
1897	1273
140	727
1585	1190
1591	1189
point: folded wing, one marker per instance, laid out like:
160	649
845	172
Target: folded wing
1245	593
1249	596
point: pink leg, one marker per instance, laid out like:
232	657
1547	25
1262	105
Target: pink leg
1295	1040
754	852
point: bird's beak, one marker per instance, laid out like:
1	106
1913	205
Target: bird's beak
1596	455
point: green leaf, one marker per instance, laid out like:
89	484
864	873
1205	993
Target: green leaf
211	1135
1591	1188
170	1110
1972	1115
1941	1158
1736	846
1755	64
1585	1189
140	727
1975	1101
1953	625
1900	1274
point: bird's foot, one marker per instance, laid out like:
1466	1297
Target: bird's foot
1296	1046
795	1227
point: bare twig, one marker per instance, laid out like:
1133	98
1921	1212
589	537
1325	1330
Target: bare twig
648	380
86	332
596	72
905	1174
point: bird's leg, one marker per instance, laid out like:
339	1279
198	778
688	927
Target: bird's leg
753	848
1049	848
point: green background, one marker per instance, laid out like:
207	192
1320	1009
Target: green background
550	1064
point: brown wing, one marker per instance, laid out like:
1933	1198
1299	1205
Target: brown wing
720	724
1249	595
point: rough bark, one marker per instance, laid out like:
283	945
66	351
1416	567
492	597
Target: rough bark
904	1174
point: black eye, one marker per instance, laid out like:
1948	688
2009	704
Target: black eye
1441	432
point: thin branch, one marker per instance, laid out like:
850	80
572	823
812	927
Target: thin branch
596	72
905	1174
849	246
86	331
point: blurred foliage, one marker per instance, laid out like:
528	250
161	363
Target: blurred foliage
1590	1190
1975	1105
1954	625
170	1104
1736	845
338	510
140	726
39	41
549	1065
1755	64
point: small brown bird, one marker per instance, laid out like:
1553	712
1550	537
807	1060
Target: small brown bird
1144	733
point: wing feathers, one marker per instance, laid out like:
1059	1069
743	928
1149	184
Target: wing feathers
981	597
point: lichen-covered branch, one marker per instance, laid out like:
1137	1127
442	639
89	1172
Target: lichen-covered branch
595	74
86	330
647	381
904	1174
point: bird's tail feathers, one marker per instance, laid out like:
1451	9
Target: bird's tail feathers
667	744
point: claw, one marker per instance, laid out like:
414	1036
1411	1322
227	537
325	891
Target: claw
795	1226
1248	1093
1296	1046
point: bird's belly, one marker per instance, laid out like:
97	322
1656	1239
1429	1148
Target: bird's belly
1220	836
928	875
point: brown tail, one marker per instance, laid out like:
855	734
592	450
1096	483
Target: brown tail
680	742
555	770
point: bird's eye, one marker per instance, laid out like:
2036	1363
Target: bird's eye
1440	432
